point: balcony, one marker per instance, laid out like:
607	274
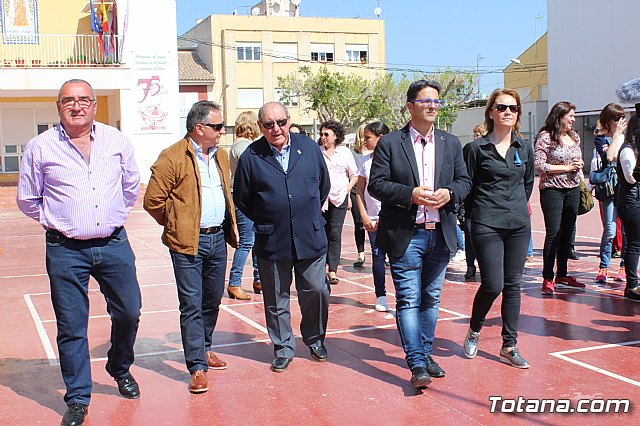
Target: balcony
59	50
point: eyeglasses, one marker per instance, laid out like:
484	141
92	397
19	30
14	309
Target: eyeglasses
435	103
325	134
83	102
503	108
216	127
269	124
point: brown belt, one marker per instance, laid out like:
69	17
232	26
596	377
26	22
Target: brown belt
210	230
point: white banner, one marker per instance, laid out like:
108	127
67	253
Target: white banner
154	111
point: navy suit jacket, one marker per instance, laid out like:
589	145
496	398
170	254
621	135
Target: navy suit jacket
285	207
394	175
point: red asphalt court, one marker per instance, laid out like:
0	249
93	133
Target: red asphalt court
582	344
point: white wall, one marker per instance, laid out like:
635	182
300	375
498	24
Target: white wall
592	50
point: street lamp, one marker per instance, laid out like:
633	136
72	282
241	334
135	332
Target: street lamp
478	59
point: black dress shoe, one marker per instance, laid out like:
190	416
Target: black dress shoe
433	368
471	272
573	255
420	378
128	387
632	293
280	364
75	415
319	353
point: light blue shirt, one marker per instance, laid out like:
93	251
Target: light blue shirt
213	203
282	157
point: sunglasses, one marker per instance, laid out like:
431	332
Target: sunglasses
216	127
269	124
618	118
435	103
503	108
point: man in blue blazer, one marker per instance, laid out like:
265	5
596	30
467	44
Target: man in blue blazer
419	174
280	184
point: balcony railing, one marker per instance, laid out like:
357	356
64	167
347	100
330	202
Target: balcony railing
59	50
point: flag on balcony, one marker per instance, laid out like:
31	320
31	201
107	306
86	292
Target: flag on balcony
114	27
104	26
95	23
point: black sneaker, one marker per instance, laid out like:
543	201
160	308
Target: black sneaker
75	415
512	357
420	378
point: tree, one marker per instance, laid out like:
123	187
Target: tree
353	100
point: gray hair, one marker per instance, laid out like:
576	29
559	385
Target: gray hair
77	81
199	113
261	110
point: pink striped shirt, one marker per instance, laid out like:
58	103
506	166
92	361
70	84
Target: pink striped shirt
60	190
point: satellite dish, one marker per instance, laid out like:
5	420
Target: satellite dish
296	2
255	11
377	11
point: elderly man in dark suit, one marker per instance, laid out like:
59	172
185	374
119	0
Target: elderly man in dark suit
419	174
280	184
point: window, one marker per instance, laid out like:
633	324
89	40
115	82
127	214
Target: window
289	101
248	52
357	53
285	52
322	52
12	157
250	98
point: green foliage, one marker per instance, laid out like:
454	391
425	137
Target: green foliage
353	100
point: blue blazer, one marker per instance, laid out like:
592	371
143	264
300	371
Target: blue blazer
394	174
285	207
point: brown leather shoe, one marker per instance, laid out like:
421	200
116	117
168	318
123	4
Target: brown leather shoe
236	292
198	382
257	287
214	362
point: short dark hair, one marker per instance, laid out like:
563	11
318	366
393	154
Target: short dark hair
299	127
77	81
337	128
417	86
199	113
378	128
611	112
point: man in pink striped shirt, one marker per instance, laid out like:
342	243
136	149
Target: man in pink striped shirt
80	180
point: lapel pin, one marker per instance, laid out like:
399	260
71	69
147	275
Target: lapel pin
299	152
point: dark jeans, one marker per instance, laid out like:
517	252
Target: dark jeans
631	222
418	276
245	244
111	262
378	256
501	255
200	282
358	227
335	220
313	298
468	245
560	209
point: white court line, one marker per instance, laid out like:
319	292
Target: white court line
244	318
561	355
97	289
42	333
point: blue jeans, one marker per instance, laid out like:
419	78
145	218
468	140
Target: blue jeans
530	249
377	268
418	276
200	282
608	215
245	244
460	238
111	262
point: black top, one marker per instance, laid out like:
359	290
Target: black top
627	194
500	187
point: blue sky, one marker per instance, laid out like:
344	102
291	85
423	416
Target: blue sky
420	34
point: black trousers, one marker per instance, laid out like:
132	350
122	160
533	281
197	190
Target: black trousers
335	220
560	210
630	216
501	255
358	227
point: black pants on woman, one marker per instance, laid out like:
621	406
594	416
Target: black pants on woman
630	217
501	255
358	227
560	209
335	219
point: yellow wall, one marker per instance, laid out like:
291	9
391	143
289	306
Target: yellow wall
533	72
227	30
64	17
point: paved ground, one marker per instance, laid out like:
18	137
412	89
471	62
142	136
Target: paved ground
581	344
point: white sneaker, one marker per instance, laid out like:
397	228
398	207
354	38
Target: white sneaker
381	304
459	256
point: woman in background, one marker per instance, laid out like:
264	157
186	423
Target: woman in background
369	209
558	161
359	152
